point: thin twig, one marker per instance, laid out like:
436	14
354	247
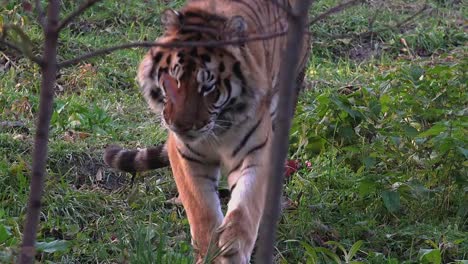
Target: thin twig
174	44
397	26
13	47
40	13
9	45
334	9
279	150
409	19
67	20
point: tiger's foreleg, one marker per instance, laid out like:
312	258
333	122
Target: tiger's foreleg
238	232
197	182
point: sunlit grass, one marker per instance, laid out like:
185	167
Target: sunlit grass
381	125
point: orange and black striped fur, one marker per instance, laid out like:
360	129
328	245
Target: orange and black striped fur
219	105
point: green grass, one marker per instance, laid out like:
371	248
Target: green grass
381	124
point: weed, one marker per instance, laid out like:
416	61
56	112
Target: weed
379	135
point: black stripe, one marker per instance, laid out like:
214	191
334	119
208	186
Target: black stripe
221	67
203	15
246	138
257	147
127	161
274	112
248	167
236	167
169	59
156	95
248	152
205	57
156	60
239	108
232	188
194	151
156	157
110	154
190	158
193	52
209	177
236	69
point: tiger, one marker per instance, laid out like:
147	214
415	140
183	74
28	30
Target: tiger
219	105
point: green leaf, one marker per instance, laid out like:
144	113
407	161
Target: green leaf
4	233
375	107
433	131
410	131
385	101
366	187
328	253
416	72
391	200
354	249
339	245
53	246
344	107
369	162
432	256
311	252
463	151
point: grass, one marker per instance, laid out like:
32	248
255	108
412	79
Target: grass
379	133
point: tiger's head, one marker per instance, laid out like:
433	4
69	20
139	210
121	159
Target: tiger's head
198	90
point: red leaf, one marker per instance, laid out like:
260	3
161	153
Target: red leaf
27	6
291	167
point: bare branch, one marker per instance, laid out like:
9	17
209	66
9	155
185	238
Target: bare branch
40	13
397	26
10	45
409	19
49	70
335	9
174	44
76	13
286	104
28	55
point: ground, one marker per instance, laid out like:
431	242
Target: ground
378	146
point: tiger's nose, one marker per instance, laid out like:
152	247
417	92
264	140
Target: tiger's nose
183	128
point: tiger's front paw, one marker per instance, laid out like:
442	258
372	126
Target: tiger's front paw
236	239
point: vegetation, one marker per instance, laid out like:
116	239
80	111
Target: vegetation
378	143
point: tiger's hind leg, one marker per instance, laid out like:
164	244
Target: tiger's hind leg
247	180
197	183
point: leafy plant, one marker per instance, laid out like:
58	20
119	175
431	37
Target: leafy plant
348	256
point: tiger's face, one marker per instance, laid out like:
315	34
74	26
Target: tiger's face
199	91
196	90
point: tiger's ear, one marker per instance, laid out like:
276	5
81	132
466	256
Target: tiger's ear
235	27
171	19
